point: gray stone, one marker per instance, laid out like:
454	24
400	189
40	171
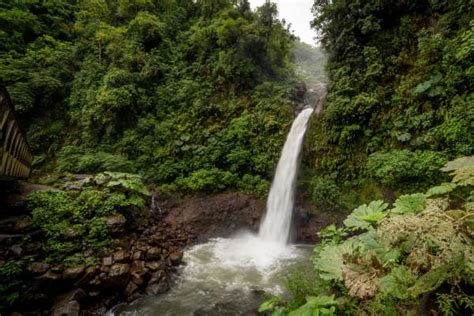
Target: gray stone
107	261
71	308
38	268
130	289
137	255
121	256
75	295
176	257
73	273
155	265
157	288
153	253
88	276
118	275
49	277
115	222
16	250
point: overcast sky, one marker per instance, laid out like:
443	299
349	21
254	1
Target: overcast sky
296	12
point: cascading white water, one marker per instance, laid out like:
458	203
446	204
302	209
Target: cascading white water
222	276
276	224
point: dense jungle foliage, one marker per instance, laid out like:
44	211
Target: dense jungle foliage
411	258
400	102
194	94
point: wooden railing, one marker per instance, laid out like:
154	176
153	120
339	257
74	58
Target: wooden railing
15	153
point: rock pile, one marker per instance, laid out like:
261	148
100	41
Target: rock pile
140	264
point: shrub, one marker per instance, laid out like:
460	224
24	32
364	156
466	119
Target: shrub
208	180
325	192
395	167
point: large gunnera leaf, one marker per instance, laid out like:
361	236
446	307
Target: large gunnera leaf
411	203
330	260
397	282
366	215
462	170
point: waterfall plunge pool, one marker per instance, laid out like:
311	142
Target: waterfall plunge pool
225	276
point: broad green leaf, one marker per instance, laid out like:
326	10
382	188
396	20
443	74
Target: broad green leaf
366	215
269	304
397	282
329	261
441	189
462	170
412	203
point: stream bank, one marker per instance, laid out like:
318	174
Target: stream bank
141	262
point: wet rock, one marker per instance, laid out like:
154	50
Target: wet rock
88	275
157	288
137	255
38	268
115	222
75	295
138	271
107	261
73	273
71	187
158	276
71	308
121	256
49	278
16	250
153	253
130	289
155	265
57	268
176	257
118	275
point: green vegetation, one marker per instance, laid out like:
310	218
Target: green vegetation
400	100
82	220
180	92
384	260
77	221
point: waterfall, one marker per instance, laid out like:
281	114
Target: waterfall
276	223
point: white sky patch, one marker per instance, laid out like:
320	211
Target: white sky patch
296	12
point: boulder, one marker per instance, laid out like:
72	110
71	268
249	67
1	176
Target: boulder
121	256
115	222
73	273
130	289
75	295
137	255
153	253
138	271
49	278
88	275
38	268
176	257
118	275
157	288
71	308
155	265
16	250
107	261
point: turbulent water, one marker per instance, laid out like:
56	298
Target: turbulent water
277	221
228	276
